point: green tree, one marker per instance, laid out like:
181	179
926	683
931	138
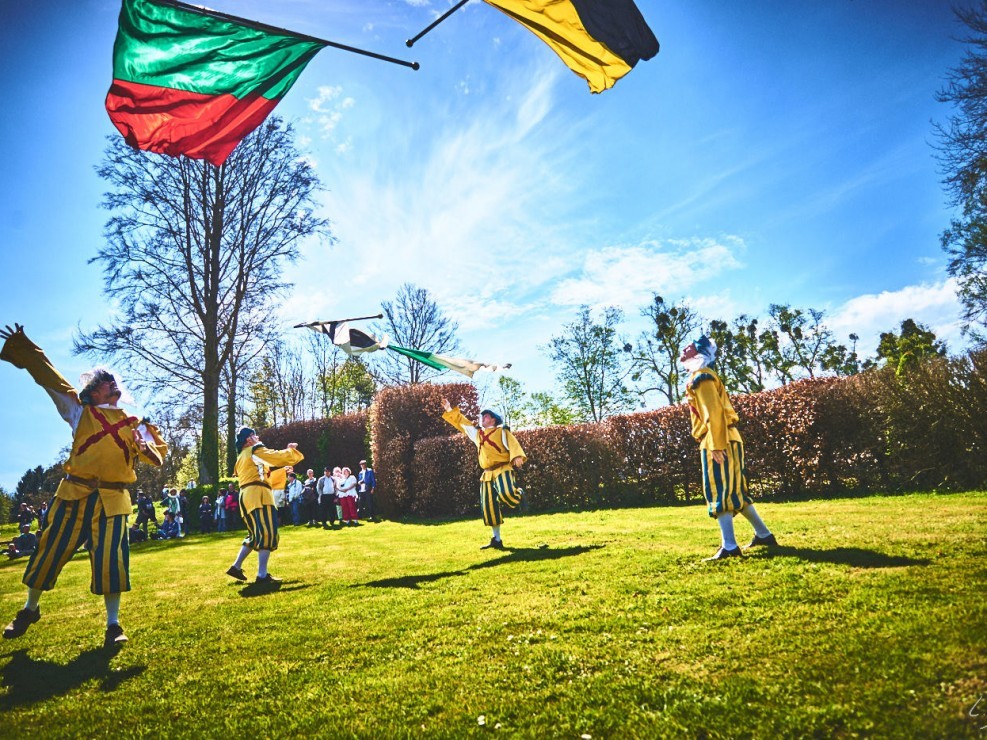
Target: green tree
841	360
592	365
744	353
194	259
512	400
544	410
962	155
801	341
914	342
655	357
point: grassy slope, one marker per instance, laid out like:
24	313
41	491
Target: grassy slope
869	621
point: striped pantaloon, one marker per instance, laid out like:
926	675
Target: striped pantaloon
725	484
493	493
262	528
70	524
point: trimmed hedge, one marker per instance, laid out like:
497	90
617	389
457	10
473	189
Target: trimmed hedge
339	440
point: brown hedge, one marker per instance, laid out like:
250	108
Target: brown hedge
340	440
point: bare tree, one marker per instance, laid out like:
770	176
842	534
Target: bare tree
413	320
193	258
591	364
655	359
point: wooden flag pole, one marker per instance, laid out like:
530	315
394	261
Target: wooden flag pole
338	321
284	31
411	42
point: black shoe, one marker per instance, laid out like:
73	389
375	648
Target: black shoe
114	636
236	573
494	543
723	553
770	541
268	580
22	620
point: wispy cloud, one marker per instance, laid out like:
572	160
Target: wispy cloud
329	105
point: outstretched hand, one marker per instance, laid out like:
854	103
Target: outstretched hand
292	446
7	332
446	405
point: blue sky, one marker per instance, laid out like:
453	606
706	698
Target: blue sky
770	153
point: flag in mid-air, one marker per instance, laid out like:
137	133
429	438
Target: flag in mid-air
599	40
188	81
355	341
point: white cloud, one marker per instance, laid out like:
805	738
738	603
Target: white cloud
628	276
934	305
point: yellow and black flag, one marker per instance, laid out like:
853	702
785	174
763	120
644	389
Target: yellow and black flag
599	40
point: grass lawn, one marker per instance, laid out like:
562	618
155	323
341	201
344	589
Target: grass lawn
869	620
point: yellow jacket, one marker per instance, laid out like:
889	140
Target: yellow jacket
496	446
253	465
713	417
103	446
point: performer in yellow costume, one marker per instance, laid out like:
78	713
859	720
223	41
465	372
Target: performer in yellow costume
253	466
721	449
92	503
498	451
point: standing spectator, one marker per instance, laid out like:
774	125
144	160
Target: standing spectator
293	492
183	512
25	515
205	516
23	544
43	515
310	497
721	449
220	513
337	477
145	512
346	493
326	488
232	508
174	506
367	486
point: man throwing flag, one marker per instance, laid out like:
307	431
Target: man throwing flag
92	503
499	451
720	447
257	502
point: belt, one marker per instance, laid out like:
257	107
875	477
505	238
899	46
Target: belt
97	483
260	483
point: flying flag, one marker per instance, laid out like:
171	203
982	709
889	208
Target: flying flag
351	341
443	362
354	342
599	40
190	81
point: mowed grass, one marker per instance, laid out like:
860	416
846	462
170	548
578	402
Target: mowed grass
868	621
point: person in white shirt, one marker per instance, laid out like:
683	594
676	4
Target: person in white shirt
326	488
346	493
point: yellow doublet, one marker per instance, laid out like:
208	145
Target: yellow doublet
713	417
103	446
252	468
496	446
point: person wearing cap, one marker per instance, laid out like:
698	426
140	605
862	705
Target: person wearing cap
252	468
92	503
499	453
721	449
367	486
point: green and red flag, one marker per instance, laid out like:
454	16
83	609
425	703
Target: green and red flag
190	81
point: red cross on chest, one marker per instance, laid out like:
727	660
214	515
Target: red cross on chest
110	430
488	439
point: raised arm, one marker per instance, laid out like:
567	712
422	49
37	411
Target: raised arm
22	353
455	417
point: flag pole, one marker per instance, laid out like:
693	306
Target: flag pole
274	29
411	42
337	321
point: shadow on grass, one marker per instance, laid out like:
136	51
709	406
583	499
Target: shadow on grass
513	555
262	589
30	681
853	556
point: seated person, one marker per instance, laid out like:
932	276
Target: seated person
137	534
169	528
23	544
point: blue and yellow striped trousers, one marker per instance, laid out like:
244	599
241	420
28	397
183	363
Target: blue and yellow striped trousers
70	524
501	490
262	527
725	484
